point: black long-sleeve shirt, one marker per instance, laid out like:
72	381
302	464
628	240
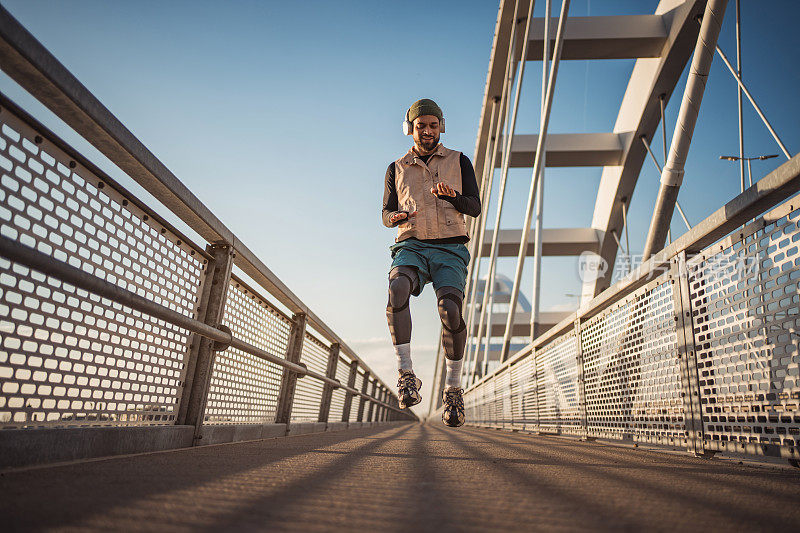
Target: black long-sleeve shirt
467	201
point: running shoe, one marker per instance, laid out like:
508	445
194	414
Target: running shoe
453	414
408	389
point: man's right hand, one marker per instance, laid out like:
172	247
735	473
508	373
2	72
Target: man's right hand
402	215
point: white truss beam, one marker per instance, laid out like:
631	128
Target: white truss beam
501	43
618	37
522	323
571	149
555	242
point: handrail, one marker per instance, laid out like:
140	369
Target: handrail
31	258
35	69
148	306
9	105
778	185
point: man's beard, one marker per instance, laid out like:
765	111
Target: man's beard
428	144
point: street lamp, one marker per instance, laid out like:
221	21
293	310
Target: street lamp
748	159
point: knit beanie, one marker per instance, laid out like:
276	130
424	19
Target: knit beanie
424	107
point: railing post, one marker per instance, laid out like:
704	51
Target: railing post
581	382
283	413
372	403
535	390
200	359
381	396
327	390
363	401
389	412
384	398
379	408
348	399
687	354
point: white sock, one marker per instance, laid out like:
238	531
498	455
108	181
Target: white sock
403	352
453	379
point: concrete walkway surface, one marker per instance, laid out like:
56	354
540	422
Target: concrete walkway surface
408	478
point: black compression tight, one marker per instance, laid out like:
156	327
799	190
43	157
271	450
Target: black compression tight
454	331
403	281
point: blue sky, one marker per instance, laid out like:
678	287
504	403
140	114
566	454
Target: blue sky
282	117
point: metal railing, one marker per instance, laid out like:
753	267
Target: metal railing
696	348
109	316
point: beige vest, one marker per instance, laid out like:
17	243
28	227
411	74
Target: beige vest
435	219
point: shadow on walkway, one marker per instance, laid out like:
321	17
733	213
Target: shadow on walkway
416	477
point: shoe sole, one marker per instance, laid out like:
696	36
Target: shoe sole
404	405
448	424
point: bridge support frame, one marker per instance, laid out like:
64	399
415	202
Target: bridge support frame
200	359
672	173
327	390
690	388
348	399
283	413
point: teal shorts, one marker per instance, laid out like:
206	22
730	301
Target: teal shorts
443	264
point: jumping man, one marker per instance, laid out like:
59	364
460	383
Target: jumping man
427	193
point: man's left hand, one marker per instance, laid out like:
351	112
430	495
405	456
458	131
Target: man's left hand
442	189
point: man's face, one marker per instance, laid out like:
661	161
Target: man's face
426	132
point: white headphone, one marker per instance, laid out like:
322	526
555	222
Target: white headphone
408	127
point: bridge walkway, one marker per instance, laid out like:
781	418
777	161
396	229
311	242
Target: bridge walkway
412	477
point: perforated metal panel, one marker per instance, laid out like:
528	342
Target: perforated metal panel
557	385
72	358
631	368
477	404
530	403
49	202
746	315
486	403
523	393
308	393
68	358
628	356
244	388
502	395
473	402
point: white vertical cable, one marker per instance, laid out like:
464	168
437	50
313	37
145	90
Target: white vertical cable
504	175
537	232
478	235
534	179
755	105
507	84
739	94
